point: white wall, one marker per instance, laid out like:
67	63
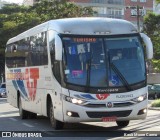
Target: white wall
156	8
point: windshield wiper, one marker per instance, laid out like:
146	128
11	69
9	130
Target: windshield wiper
124	81
88	74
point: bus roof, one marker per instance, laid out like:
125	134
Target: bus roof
85	26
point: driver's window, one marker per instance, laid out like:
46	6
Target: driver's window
55	64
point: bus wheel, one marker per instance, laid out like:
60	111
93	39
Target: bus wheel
32	115
23	114
55	123
122	123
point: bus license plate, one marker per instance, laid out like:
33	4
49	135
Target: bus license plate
109	119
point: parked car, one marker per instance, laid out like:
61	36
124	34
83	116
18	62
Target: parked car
154	91
3	92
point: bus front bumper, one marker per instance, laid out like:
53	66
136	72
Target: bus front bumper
78	113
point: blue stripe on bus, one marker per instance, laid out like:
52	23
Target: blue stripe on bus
19	85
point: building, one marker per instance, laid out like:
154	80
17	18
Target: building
2	3
104	8
121	9
29	2
131	10
135	10
156	8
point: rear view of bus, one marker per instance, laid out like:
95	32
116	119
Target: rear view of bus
95	71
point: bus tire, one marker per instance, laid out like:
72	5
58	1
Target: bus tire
23	114
55	123
122	123
32	115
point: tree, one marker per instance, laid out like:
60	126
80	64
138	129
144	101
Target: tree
152	28
158	1
55	9
15	19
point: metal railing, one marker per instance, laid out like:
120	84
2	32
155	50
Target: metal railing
115	2
110	16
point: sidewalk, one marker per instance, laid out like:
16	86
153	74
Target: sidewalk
154	108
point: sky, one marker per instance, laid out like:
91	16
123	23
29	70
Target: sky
14	1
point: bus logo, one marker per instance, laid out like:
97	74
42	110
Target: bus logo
109	105
102	96
32	73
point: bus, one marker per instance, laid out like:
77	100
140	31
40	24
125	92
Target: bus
79	70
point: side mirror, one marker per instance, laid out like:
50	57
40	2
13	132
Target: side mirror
149	45
58	48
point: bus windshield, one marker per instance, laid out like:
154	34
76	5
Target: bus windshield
113	61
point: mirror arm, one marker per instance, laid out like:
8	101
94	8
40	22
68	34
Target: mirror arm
149	45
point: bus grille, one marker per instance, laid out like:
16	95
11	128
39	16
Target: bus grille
115	104
123	104
109	114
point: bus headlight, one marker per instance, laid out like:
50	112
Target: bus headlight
74	100
140	98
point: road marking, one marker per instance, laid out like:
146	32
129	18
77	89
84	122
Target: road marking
13	119
28	125
2	115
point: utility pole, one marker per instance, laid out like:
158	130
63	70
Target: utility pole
136	13
138	17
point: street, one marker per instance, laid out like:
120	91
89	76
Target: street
10	121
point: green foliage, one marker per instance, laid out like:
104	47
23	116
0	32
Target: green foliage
54	9
158	1
13	8
156	65
156	103
152	29
15	19
9	25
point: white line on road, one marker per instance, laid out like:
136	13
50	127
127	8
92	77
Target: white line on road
13	119
28	125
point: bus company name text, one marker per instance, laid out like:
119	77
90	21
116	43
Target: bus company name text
18	76
107	90
124	96
21	134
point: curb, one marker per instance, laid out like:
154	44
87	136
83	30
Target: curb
154	108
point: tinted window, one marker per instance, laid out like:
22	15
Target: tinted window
3	86
30	51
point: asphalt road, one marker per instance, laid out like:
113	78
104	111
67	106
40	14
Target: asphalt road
11	122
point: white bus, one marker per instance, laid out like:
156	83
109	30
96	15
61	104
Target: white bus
79	70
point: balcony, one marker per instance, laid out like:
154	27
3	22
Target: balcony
110	16
114	2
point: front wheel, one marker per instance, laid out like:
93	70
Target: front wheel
32	115
122	123
23	114
55	123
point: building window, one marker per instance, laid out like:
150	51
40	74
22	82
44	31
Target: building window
143	0
142	12
100	10
113	11
134	0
